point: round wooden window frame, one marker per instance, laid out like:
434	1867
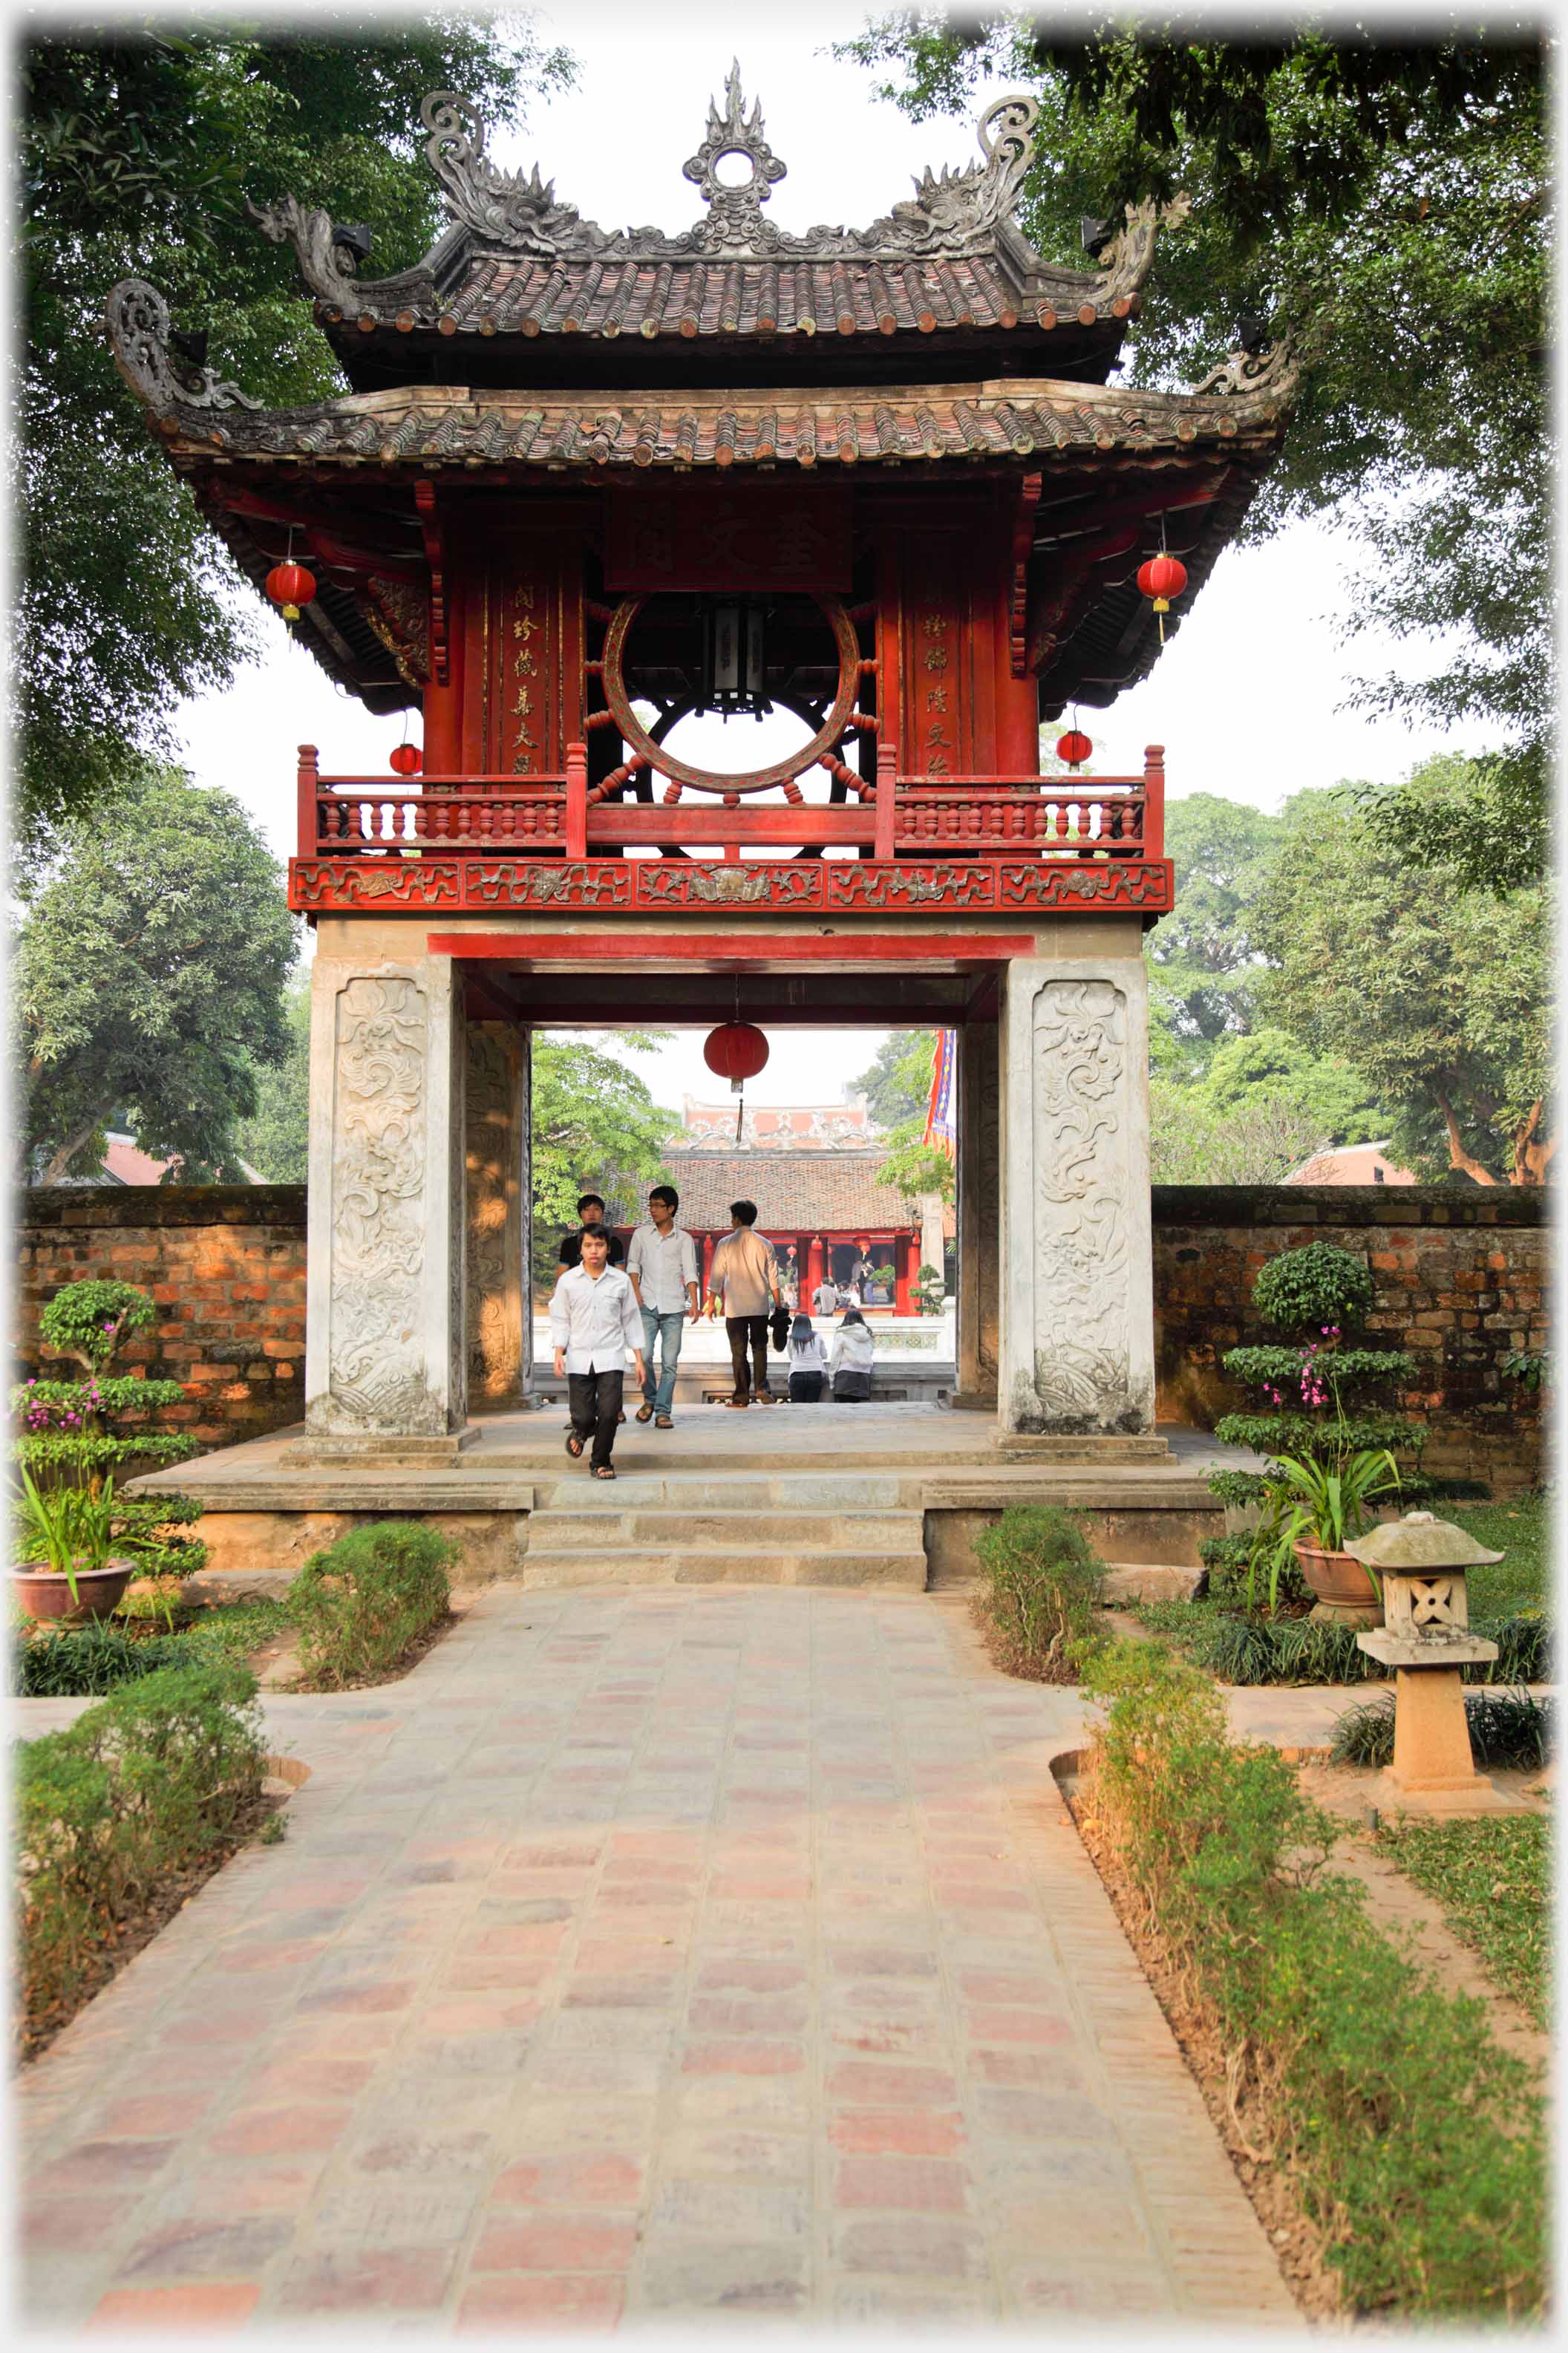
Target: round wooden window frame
752	780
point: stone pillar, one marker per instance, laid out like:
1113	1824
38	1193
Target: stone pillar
813	1271
1078	1318
499	1307
930	1240
384	1371
979	1213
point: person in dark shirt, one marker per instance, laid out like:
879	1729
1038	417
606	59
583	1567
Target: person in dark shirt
591	1219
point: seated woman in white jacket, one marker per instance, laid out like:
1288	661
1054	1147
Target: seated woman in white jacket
807	1362
853	1349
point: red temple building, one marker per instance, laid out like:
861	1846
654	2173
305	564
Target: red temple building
581	483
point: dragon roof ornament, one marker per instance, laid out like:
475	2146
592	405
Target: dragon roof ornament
951	212
136	318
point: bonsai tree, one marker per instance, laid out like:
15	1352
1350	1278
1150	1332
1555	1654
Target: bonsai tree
931	1292
1317	1392
83	1432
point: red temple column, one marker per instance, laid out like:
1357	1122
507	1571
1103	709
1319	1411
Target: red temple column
904	1261
707	1264
813	1271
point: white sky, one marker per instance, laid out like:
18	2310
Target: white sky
1248	701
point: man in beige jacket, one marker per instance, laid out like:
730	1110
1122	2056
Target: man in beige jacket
745	1275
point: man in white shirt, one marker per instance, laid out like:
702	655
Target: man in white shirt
662	1264
745	1272
824	1299
594	1321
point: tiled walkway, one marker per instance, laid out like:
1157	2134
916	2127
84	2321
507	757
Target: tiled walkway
646	1954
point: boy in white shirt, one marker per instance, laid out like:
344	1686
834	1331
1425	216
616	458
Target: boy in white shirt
594	1321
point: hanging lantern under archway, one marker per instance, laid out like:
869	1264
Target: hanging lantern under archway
291	586
1160	579
408	760
737	1050
1074	747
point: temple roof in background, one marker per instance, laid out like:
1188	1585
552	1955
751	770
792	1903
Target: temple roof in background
795	1192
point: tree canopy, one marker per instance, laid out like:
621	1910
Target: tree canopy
137	151
275	1140
1434	992
148	978
896	1083
596	1129
1385	206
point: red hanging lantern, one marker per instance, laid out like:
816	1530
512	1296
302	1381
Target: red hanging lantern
737	1050
291	585
1074	747
408	760
1160	579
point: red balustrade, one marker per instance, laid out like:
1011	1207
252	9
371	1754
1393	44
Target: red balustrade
1029	818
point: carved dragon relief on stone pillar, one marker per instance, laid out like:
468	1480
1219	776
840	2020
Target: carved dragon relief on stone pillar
1077	1343
497	1317
385	1314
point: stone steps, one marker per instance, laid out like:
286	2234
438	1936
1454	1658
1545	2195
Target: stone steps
785	1528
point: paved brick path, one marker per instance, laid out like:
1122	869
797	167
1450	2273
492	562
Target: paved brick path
647	1953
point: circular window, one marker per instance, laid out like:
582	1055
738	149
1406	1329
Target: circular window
653	655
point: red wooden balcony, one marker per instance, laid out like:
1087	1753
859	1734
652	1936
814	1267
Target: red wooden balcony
901	842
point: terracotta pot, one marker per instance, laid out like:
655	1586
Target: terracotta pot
1345	1589
46	1595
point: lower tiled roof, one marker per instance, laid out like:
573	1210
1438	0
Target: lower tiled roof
795	1192
434	425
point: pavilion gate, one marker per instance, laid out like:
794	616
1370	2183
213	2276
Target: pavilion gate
586	484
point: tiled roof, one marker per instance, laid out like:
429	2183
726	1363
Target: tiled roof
433	427
795	1192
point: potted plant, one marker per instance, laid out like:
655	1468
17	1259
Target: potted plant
76	1437
1319	1412
1312	1509
65	1536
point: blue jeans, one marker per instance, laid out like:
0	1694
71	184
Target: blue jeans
668	1330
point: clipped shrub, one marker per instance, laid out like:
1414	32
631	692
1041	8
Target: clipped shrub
1506	1728
1042	1583
1416	2143
142	1786
1301	1290
359	1604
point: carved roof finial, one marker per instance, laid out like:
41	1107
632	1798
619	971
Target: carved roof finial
735	220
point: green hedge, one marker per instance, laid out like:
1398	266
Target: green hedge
359	1605
1415	2144
140	1787
1040	1583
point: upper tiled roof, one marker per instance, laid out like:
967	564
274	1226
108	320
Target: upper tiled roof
517	265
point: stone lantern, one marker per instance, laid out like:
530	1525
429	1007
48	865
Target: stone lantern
1421	1561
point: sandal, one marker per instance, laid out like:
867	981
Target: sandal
737	1405
664	1422
605	1471
644	1413
575	1446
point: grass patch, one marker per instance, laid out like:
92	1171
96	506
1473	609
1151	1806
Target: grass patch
89	1661
1522	1531
1493	1879
1506	1729
1251	1647
1414	2144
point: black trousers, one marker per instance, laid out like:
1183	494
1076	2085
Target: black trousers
594	1404
748	1332
806	1388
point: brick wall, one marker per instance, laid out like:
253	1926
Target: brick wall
226	1267
1461	1276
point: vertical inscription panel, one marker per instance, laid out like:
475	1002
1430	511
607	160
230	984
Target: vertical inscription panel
522	668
